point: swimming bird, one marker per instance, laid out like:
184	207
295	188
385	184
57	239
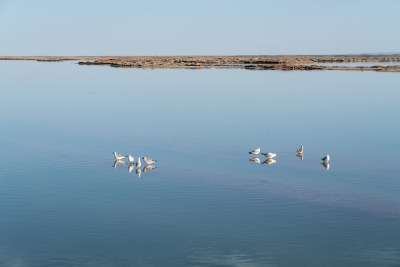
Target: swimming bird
130	168
118	163
269	161
300	155
148	168
118	156
269	155
326	165
255	151
131	159
326	158
138	172
256	160
300	150
149	160
138	163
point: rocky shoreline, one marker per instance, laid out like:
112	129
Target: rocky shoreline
278	62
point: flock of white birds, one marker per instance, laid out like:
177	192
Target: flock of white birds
131	161
270	157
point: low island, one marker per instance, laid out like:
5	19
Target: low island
255	62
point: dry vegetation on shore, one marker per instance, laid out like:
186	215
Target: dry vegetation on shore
278	62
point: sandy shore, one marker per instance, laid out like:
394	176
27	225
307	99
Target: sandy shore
278	62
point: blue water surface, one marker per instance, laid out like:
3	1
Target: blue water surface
62	203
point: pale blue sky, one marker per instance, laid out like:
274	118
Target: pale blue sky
207	27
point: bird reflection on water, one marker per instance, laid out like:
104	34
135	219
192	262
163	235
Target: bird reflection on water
269	161
138	172
118	163
148	168
256	160
270	157
132	164
130	168
300	155
326	165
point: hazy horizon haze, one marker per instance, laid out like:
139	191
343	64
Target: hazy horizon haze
72	28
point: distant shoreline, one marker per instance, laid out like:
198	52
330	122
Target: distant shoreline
256	62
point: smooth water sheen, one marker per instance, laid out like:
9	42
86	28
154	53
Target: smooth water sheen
356	64
63	204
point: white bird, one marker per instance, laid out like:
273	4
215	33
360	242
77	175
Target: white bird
138	163
118	163
118	156
148	168
138	172
131	159
326	165
300	150
269	155
300	155
256	160
130	168
326	158
255	151
149	160
269	161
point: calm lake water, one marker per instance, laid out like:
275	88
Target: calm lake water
62	203
357	64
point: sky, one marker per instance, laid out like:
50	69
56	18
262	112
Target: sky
206	27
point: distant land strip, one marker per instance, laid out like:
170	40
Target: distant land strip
256	62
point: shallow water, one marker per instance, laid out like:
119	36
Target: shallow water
357	64
63	204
